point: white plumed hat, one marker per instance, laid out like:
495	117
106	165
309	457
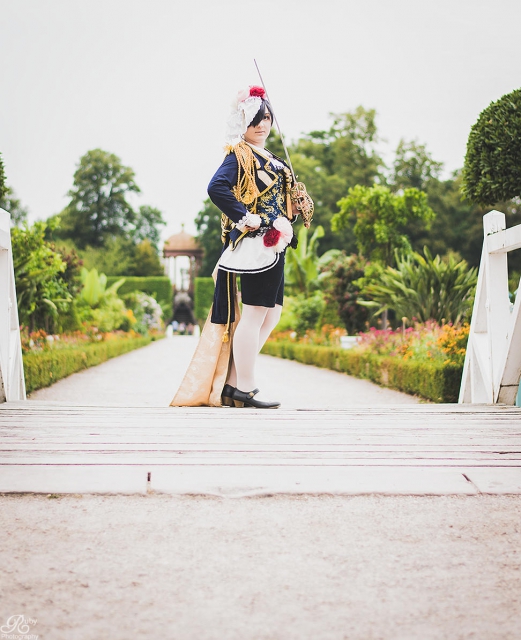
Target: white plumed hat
244	109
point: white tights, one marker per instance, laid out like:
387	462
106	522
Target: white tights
252	331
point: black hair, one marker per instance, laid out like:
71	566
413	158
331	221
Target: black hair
265	106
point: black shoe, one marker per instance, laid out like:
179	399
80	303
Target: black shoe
246	399
227	396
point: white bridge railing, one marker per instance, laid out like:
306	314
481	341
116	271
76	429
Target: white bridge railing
493	362
12	385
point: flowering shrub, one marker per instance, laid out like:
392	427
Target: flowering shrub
428	342
146	312
453	342
36	341
328	335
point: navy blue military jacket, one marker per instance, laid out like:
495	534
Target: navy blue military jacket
225	178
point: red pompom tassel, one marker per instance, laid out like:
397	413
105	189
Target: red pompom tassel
257	92
271	237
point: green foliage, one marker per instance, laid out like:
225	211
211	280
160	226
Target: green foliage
3	185
159	287
437	382
43	368
457	227
115	258
492	169
308	310
146	260
95	289
9	202
301	268
98	209
41	289
121	257
208	224
413	167
381	218
203	297
100	305
338	280
332	161
146	228
424	288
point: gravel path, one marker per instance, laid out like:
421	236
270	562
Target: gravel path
281	567
318	568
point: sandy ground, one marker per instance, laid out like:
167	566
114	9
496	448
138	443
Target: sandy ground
371	567
280	567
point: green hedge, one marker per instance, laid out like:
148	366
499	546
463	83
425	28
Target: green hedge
430	380
158	286
43	368
203	297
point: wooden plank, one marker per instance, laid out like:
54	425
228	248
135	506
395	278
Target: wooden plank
251	481
73	479
111	458
323	448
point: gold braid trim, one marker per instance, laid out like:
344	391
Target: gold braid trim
226	334
226	227
246	190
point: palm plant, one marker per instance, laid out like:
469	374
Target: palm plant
424	288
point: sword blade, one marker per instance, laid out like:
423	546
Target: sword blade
277	124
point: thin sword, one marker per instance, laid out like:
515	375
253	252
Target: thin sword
277	123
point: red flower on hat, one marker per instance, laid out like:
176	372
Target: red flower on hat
257	92
271	237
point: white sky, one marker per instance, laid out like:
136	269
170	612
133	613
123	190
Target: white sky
152	80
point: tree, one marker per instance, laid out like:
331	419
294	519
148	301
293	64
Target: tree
492	169
381	218
121	257
11	203
146	226
146	260
208	224
413	167
99	209
8	200
330	162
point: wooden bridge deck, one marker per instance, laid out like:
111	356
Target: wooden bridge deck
403	449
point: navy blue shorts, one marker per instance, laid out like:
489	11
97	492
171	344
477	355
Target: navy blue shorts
264	289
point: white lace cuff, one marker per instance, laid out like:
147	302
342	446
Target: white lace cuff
249	220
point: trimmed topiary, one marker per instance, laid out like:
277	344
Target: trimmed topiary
492	170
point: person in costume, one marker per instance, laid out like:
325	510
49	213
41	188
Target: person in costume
252	189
